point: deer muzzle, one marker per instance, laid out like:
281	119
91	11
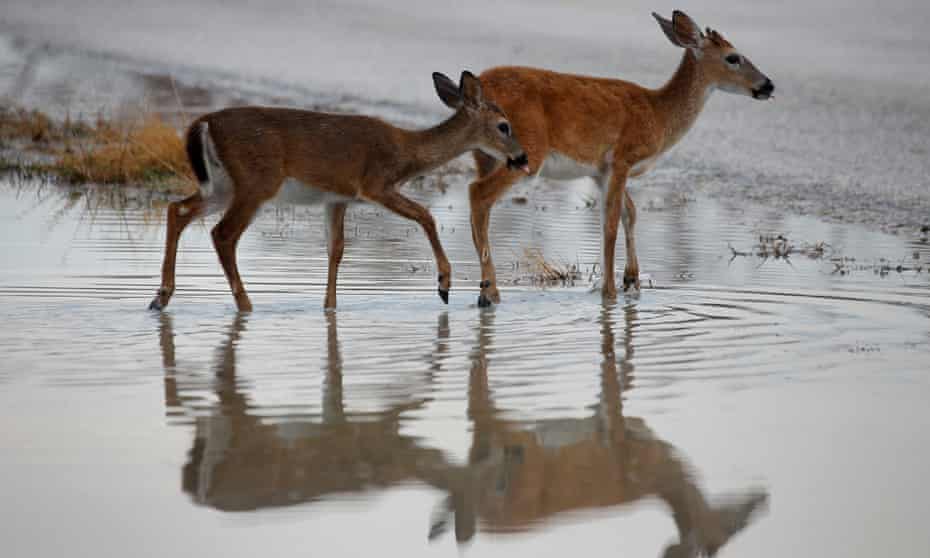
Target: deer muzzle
764	91
519	163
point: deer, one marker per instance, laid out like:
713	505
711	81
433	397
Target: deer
575	126
243	157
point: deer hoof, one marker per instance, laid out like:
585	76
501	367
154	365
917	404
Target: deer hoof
483	301
629	282
444	295
156	303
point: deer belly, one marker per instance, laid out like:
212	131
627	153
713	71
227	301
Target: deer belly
294	191
642	167
559	166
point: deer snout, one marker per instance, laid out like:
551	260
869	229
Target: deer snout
520	162
764	91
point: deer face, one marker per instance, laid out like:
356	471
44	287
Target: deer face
722	64
489	129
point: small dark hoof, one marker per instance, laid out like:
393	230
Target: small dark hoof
483	301
630	282
155	305
444	295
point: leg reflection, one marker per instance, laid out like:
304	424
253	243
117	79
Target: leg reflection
520	473
241	460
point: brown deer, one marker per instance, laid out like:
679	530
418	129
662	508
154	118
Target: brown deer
578	126
243	157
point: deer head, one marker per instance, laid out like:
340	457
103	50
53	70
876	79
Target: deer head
488	129
721	63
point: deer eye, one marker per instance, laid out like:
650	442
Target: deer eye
733	59
504	128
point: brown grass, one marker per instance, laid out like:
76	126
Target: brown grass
38	128
146	150
18	124
138	152
540	271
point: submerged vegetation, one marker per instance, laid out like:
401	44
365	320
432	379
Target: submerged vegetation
140	151
779	247
535	269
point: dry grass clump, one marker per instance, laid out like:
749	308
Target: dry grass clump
38	128
138	152
542	272
24	124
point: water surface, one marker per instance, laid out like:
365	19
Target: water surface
778	400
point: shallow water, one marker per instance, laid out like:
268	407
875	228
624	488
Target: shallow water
543	426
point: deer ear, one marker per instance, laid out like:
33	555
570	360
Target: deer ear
669	28
447	90
681	30
688	32
470	87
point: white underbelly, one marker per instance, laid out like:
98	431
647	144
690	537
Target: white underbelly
559	166
643	166
296	192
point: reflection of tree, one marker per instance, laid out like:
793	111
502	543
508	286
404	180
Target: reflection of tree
517	473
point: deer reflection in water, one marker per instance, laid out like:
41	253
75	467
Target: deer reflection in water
518	473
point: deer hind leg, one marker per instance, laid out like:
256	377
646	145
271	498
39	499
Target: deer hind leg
405	207
226	235
628	217
180	214
335	218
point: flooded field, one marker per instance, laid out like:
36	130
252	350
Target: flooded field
744	401
778	406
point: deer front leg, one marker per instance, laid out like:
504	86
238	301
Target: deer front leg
483	193
335	233
408	208
179	215
628	217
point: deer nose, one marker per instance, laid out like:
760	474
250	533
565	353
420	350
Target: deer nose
521	162
765	90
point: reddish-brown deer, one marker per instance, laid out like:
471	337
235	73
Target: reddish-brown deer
576	126
243	157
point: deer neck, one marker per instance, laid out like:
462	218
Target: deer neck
433	147
680	101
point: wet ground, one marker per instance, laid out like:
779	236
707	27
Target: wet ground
546	424
775	406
